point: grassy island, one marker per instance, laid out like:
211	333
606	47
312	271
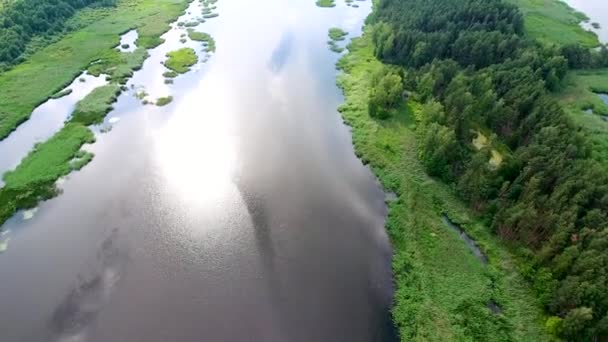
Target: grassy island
181	60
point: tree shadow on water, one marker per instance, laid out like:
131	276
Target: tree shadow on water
258	207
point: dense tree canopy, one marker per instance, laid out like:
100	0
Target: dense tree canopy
469	61
22	20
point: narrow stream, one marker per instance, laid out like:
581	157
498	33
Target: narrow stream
238	212
471	244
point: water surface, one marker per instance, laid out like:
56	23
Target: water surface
238	212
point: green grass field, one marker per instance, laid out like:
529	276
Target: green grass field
554	22
442	289
52	68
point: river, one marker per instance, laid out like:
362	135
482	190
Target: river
238	212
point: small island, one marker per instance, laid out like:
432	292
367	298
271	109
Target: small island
181	60
326	3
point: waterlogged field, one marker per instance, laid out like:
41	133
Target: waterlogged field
51	68
554	22
444	293
48	71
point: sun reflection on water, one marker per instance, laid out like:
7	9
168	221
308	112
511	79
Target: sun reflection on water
197	146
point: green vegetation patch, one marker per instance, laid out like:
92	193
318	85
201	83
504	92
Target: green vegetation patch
336	34
181	60
94	107
50	160
170	74
554	22
163	101
203	37
333	46
34	179
443	292
62	93
119	66
326	3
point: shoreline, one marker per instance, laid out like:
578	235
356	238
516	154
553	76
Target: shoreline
435	274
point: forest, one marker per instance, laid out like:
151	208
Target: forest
23	20
491	129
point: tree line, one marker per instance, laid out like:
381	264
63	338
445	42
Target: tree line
474	70
22	20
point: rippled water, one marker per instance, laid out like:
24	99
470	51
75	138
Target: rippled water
236	213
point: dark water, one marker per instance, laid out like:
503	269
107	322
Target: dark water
236	213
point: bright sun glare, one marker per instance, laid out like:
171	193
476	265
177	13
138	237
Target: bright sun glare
197	147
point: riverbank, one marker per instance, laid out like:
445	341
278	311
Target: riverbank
443	292
49	70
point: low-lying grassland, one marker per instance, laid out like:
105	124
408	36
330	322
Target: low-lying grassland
34	179
163	101
53	67
554	22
